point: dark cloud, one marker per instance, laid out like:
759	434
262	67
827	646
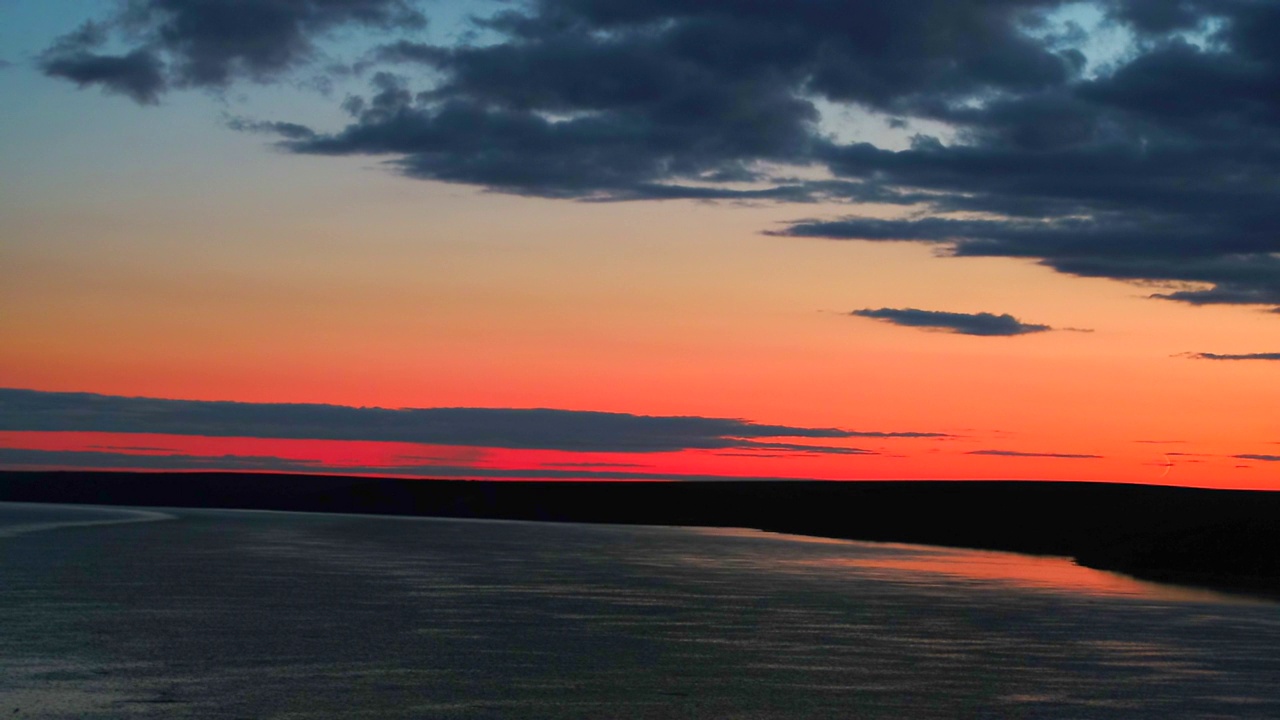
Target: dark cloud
210	43
104	460
882	434
1160	16
292	131
1014	453
655	100
1244	356
1160	165
1263	458
138	74
1164	170
804	449
961	323
571	430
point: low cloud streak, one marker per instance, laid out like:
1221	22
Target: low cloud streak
1017	454
17	458
1263	458
1242	356
982	324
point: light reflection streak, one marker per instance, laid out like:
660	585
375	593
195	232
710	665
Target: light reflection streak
929	565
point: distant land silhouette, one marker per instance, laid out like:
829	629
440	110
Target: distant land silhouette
1225	539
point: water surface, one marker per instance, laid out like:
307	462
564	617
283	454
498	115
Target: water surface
116	613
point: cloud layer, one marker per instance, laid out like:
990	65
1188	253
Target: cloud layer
1160	163
542	429
986	324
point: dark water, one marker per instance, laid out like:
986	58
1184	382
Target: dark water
221	614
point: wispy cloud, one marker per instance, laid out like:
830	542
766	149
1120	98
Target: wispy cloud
1242	356
984	324
1263	458
1019	454
543	429
105	460
804	449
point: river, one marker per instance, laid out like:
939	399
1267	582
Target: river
121	613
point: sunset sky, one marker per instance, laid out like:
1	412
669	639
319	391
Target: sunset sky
648	239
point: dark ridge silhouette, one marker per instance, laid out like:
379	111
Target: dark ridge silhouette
1227	539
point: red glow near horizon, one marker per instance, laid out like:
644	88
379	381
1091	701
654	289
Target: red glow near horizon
402	459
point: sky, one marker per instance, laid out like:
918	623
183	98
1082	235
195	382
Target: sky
643	239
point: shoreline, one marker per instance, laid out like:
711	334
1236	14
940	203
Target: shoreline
1225	540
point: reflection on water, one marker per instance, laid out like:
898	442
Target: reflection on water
925	565
21	518
1060	574
235	614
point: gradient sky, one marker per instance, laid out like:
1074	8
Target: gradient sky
600	239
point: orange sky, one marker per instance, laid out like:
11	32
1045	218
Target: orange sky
682	309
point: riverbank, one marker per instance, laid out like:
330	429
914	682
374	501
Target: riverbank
1223	539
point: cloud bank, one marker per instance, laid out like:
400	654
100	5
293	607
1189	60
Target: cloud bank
1158	163
984	324
540	429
